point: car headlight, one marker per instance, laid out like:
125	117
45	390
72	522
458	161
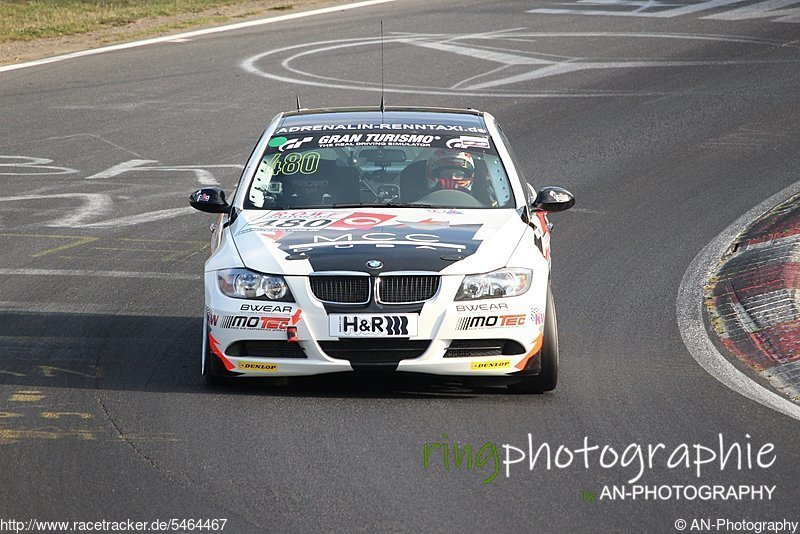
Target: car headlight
508	282
247	284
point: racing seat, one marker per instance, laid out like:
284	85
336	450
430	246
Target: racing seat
330	184
413	181
343	182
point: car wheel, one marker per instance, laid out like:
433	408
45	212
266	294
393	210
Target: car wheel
547	379
210	369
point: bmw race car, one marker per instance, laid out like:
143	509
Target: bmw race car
400	240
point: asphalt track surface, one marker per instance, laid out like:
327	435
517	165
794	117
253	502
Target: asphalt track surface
666	128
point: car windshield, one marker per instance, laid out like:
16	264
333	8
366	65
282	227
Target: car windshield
380	168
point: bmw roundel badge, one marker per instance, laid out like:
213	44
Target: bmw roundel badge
374	264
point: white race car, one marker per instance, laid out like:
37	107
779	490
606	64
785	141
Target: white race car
398	240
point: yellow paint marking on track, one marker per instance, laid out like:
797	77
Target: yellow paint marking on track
134	437
50	371
172	250
26	396
120	260
9	435
12	373
77	241
48	236
118	249
182	241
61	415
84	435
172	254
185	254
9	415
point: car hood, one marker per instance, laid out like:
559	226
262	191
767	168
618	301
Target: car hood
449	241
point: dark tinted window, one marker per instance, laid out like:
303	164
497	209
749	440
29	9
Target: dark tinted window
312	170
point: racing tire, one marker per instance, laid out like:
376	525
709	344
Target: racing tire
547	379
211	366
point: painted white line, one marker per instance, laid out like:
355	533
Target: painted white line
120	168
764	9
505	58
93	136
73	308
776	10
94	205
249	65
195	33
107	274
565	68
204	176
689	307
141	218
669	13
27	162
459	44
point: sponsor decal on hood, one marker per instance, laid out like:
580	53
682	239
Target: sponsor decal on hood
401	248
346	240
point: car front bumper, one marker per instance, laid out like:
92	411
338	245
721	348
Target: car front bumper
482	338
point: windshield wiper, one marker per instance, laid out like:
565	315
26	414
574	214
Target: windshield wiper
386	205
360	205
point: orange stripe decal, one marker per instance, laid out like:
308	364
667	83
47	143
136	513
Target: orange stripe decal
214	344
537	345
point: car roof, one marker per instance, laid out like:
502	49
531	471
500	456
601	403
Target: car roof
358	117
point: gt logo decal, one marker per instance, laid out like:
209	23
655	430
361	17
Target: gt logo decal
468	141
292	144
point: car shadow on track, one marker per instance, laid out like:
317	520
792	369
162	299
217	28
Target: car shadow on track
162	354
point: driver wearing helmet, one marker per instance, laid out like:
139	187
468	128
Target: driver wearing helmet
453	170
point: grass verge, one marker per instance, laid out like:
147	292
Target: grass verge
22	20
34	29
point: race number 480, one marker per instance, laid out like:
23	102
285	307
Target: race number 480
295	162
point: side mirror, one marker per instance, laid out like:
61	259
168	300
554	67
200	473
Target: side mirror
553	199
209	200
